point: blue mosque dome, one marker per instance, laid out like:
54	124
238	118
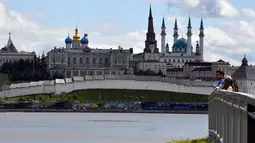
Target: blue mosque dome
68	40
84	40
180	43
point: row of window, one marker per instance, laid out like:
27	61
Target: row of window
84	73
87	61
173	60
179	49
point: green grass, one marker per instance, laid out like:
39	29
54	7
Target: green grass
117	95
202	140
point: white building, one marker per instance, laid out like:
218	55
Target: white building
245	77
9	53
199	70
78	59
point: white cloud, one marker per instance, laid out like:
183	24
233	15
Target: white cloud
226	9
207	8
249	12
192	3
229	42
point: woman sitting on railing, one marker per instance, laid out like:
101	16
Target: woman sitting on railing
230	85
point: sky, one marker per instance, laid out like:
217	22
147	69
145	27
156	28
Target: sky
39	25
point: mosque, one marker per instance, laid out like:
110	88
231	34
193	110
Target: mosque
182	50
182	60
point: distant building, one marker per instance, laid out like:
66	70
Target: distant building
78	59
182	49
245	77
182	61
150	58
9	53
199	70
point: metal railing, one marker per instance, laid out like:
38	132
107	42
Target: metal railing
231	117
110	77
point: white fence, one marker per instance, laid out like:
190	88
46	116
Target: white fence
107	82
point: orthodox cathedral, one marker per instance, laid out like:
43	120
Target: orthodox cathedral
77	58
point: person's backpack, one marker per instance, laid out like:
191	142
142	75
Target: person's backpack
235	86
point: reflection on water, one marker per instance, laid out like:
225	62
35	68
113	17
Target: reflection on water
99	127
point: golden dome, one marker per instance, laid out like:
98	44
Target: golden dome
76	37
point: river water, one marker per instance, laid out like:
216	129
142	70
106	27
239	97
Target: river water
100	127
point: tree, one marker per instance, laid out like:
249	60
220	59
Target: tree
26	70
74	97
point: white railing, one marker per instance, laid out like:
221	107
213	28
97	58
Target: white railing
107	82
231	117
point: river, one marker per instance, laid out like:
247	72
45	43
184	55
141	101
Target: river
100	127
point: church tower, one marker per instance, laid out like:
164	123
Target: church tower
151	42
76	39
163	37
201	40
189	36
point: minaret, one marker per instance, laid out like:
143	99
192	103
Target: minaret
163	37
201	40
197	51
189	35
175	35
150	35
167	48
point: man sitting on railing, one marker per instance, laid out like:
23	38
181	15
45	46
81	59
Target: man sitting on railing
226	82
221	76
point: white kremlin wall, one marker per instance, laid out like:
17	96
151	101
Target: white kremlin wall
108	82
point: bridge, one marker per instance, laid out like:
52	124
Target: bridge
231	117
131	82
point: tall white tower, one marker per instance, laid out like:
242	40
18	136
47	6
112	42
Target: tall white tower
201	40
175	35
163	37
189	35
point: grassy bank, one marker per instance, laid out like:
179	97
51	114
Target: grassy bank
202	140
117	95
